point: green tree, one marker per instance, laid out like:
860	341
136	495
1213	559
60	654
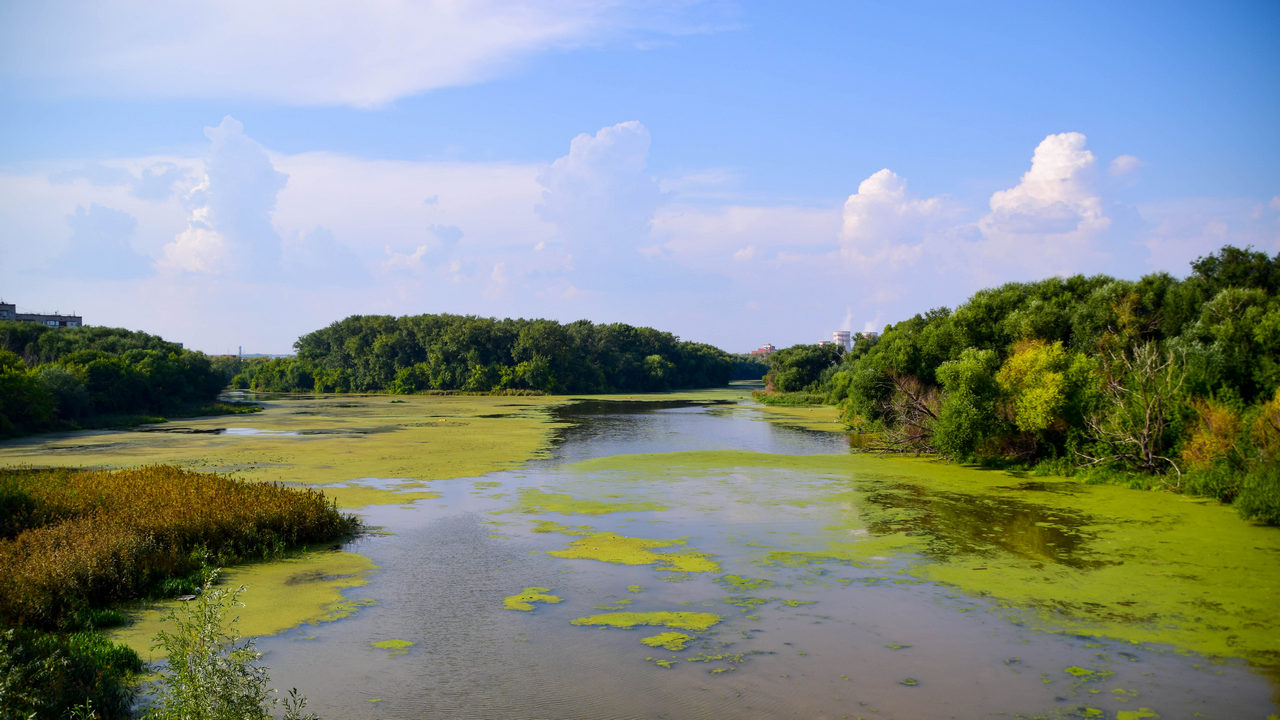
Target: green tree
968	415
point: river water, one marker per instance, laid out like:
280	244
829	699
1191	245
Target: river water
804	631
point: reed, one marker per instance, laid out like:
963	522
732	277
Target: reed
75	540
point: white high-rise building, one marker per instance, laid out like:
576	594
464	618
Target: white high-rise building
841	338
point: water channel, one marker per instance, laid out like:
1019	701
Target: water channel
812	566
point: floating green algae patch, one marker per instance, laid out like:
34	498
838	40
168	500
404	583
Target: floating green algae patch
394	647
623	550
324	440
1050	552
744	584
679	620
278	596
533	500
350	496
673	641
525	599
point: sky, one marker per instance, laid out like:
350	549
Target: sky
235	174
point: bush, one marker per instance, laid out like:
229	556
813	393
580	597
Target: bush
1259	497
212	672
49	676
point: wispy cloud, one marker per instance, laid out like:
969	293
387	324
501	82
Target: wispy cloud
308	53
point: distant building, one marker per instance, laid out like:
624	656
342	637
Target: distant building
841	338
763	351
8	311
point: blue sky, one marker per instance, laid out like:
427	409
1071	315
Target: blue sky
238	173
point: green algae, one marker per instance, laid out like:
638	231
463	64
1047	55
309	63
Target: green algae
394	647
636	588
743	584
551	526
1051	553
1139	714
278	595
326	440
677	620
615	605
525	599
620	549
535	501
673	641
668	664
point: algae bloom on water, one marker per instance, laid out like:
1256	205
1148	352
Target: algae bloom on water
674	641
394	647
626	620
525	599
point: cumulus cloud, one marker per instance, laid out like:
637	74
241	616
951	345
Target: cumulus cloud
230	223
100	246
302	52
885	225
600	197
1050	222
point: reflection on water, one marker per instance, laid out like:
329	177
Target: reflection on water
957	523
797	640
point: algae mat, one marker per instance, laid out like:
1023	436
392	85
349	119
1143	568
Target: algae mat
1144	567
343	443
306	588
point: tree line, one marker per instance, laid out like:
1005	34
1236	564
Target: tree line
381	353
1159	381
64	378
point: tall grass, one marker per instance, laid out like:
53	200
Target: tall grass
75	540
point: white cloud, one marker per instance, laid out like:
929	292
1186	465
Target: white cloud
884	225
310	53
230	222
1123	165
600	197
1051	221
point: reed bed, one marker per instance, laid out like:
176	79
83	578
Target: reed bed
75	540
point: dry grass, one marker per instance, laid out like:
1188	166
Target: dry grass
72	540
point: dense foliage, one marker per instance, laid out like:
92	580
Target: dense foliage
379	353
1177	381
63	378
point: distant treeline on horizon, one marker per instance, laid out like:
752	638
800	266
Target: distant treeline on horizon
381	353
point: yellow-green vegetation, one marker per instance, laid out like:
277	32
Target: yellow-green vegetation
745	584
551	526
394	647
623	550
1056	554
71	540
327	440
284	594
525	599
673	641
695	621
810	417
1139	714
533	500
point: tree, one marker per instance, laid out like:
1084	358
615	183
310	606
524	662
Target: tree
1135	426
968	414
